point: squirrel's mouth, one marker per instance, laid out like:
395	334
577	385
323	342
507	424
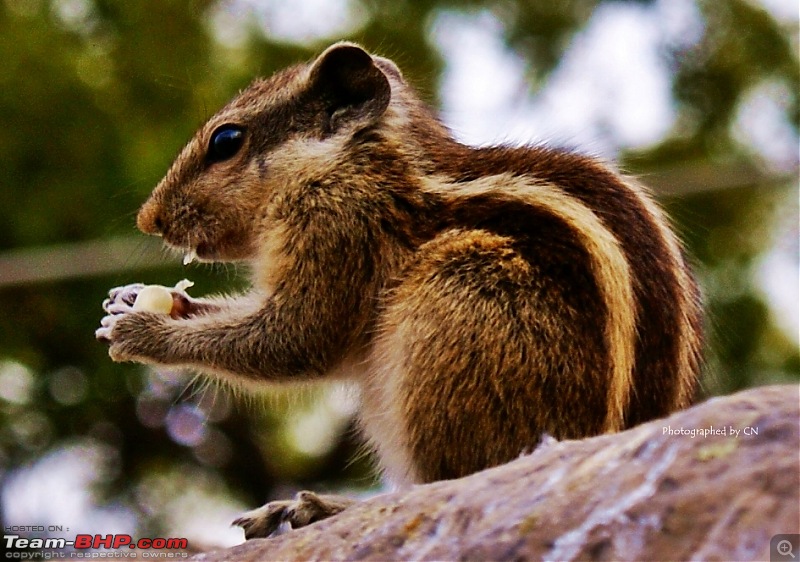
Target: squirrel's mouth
203	252
199	253
192	254
224	249
189	256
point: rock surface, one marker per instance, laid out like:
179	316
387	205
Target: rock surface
644	494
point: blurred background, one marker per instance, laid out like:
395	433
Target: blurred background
697	97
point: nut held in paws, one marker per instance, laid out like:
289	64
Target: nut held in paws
154	298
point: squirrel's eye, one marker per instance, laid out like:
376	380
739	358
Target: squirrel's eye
226	141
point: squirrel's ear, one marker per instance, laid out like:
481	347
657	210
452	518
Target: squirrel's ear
352	87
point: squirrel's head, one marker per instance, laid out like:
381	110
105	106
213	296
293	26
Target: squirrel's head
278	131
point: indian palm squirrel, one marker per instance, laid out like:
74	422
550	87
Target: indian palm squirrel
480	298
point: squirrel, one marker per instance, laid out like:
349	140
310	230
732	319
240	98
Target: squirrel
480	298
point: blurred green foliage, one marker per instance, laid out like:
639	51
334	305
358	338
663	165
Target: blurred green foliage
96	98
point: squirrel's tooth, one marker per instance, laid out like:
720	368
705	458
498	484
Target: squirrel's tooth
189	257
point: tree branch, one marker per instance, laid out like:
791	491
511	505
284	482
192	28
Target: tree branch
637	495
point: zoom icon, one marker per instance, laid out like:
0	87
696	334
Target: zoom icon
784	547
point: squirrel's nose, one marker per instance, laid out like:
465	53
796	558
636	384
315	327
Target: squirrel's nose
149	219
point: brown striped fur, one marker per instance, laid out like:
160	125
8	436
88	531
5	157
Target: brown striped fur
480	298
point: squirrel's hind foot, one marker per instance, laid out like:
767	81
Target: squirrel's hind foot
304	509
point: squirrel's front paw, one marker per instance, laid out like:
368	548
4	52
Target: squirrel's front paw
123	326
119	302
127	335
122	298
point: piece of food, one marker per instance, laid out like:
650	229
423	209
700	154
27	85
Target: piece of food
154	298
181	286
159	299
